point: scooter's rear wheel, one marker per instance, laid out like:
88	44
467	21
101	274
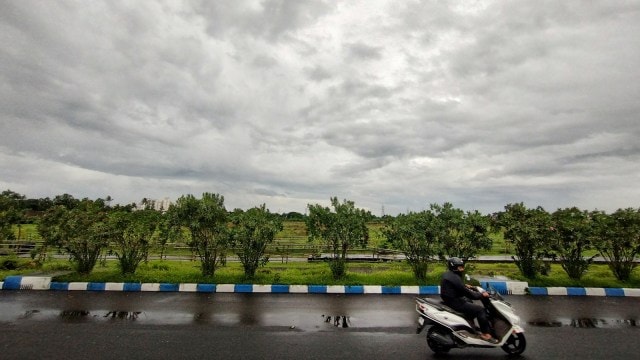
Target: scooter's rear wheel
434	345
515	345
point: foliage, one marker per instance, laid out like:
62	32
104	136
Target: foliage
340	229
531	233
253	230
206	220
10	213
617	238
293	216
81	231
464	234
528	231
570	238
132	234
166	232
417	235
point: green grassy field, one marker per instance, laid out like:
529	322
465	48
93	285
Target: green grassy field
306	273
292	241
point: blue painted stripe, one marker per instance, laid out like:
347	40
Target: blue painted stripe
96	286
12	283
280	289
429	290
206	288
499	286
391	290
169	287
132	287
243	288
614	292
63	286
576	291
15	283
317	289
538	291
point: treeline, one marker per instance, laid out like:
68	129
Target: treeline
84	228
536	236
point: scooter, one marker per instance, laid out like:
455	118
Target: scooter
449	329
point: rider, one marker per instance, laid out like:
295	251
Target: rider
453	292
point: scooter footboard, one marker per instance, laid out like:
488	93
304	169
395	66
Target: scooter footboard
501	328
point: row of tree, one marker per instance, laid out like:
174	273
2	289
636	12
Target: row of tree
87	229
84	228
537	236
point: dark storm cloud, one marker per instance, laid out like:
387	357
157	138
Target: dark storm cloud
289	102
269	19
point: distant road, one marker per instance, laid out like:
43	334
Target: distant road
107	325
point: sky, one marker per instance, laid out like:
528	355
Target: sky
394	105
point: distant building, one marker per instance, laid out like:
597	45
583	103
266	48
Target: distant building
158	205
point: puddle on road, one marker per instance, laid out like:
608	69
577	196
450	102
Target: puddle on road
123	315
338	321
587	323
28	314
79	315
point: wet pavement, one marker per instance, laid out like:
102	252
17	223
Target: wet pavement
182	325
309	312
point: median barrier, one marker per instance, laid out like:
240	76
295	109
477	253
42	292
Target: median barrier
503	287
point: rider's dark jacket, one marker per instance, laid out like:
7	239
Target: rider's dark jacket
453	291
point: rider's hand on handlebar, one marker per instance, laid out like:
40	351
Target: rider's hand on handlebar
485	294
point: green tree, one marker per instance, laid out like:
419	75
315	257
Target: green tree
617	238
570	237
66	200
11	213
167	231
528	231
82	232
206	219
253	230
340	229
463	234
418	236
132	233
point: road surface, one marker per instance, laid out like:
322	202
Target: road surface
107	325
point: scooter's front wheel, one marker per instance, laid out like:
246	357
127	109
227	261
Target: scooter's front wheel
515	344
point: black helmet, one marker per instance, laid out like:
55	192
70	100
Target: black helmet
454	262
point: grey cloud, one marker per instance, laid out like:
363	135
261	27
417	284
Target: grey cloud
267	19
318	73
268	192
360	51
293	102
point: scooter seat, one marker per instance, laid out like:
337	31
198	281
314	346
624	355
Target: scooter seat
442	307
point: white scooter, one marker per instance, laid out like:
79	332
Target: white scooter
450	329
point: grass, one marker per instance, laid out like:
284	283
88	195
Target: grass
292	240
295	273
305	273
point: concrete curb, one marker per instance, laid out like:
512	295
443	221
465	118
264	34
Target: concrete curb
503	287
579	291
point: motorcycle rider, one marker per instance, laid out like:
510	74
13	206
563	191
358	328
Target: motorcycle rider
454	294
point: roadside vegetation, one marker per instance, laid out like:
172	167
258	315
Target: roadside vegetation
197	240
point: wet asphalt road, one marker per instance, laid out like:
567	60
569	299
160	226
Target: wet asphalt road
109	325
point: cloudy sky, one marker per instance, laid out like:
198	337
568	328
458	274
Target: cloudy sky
392	104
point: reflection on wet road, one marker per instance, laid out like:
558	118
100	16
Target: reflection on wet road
303	312
587	323
288	326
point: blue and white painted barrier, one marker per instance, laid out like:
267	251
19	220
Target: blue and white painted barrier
503	287
579	291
